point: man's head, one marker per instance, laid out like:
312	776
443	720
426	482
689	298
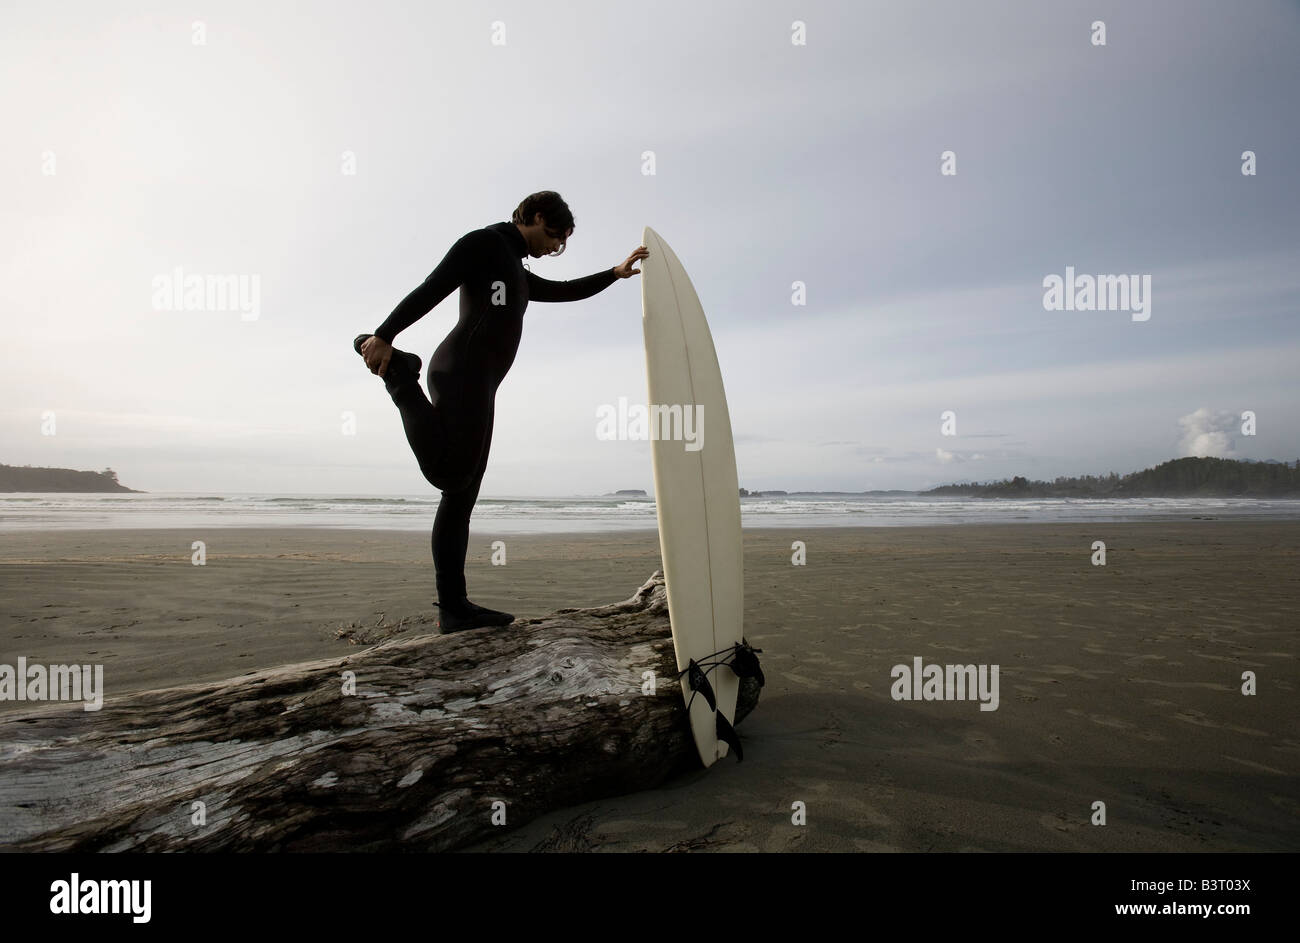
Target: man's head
545	222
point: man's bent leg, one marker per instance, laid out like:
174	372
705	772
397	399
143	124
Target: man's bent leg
427	435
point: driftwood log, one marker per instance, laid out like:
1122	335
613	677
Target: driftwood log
442	741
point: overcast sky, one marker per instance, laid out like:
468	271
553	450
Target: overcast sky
330	154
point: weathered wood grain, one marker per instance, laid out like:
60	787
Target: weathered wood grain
538	715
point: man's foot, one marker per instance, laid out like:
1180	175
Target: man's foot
491	616
402	365
450	620
463	614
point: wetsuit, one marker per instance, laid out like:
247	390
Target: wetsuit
451	431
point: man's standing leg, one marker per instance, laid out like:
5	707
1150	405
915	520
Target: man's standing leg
450	538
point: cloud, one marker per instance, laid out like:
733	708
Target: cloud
946	457
1208	433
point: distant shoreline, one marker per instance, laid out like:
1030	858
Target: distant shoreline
1178	478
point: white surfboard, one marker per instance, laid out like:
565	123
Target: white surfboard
697	495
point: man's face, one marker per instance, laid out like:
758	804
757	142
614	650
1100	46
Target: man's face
548	241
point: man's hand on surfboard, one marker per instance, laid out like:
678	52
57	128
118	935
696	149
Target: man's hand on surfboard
625	270
377	352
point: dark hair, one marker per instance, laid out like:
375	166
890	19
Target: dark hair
552	207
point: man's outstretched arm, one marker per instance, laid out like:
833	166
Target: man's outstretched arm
542	289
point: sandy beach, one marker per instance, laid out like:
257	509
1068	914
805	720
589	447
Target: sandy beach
1118	684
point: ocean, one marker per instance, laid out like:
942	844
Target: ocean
591	513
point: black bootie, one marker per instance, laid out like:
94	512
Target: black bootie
403	366
463	614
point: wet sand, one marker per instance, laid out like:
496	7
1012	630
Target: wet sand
1118	684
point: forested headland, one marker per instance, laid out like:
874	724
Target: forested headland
1181	477
45	480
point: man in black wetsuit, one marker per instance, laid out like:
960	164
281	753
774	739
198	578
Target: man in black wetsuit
450	432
